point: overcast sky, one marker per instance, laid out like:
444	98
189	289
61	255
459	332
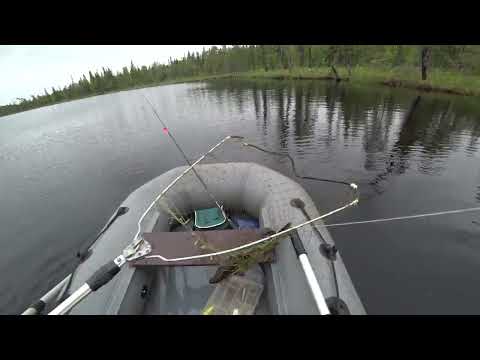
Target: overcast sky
28	69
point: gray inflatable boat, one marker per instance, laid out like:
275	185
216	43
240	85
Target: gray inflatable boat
254	189
163	285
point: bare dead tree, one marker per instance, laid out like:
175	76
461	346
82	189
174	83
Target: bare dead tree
425	60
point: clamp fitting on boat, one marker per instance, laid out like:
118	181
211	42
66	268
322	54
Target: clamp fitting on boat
137	249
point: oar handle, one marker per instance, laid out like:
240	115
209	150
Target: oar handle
95	282
297	243
103	275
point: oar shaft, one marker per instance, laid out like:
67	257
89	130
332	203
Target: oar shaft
99	278
313	284
309	274
72	300
46	299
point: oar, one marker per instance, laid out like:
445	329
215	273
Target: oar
309	274
63	286
102	276
83	253
95	282
38	306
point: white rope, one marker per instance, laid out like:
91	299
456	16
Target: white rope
406	217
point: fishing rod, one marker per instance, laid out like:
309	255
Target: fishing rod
351	186
169	133
137	249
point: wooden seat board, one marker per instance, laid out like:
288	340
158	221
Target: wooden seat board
182	244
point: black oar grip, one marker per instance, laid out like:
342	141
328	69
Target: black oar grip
297	243
103	275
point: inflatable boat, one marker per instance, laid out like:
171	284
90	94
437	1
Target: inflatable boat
170	274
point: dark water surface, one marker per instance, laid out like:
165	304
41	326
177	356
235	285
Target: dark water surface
65	168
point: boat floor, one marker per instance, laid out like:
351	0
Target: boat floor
185	290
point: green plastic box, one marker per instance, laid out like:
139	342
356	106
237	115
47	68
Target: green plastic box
210	219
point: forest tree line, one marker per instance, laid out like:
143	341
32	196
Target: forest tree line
244	58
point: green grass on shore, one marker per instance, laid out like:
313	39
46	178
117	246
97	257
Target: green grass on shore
438	80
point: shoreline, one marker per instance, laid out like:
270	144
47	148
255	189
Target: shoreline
440	81
169	82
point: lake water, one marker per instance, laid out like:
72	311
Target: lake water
65	168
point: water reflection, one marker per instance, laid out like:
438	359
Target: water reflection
409	154
282	118
398	132
397	160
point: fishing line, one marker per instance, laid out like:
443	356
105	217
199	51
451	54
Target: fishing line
348	184
405	217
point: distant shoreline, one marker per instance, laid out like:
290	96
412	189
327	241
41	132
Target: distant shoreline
440	81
